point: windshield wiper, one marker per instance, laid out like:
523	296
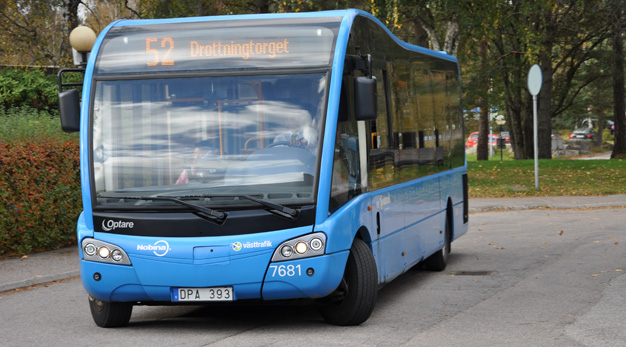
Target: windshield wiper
275	208
207	213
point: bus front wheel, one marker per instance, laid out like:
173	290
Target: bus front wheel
353	301
110	314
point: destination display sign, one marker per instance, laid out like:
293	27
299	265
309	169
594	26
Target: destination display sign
195	46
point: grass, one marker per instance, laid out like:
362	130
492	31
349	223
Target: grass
516	178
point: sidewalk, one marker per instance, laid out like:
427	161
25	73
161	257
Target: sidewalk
38	268
62	264
557	202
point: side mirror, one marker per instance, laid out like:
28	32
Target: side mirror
365	98
69	108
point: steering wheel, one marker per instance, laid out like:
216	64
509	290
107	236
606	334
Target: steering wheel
286	144
279	144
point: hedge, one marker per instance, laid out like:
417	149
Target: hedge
40	197
31	87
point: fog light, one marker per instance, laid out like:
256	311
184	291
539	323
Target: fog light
316	244
301	247
97	276
90	249
117	255
286	251
310	271
103	252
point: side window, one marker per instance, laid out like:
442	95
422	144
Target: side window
346	176
456	139
381	164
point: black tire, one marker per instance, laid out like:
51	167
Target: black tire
439	260
353	301
110	314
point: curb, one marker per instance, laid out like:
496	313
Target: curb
6	287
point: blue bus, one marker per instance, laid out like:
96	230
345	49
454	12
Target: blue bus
264	157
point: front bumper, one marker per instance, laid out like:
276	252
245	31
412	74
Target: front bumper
252	275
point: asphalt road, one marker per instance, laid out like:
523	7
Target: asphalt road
518	278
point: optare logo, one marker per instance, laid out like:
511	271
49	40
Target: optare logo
159	248
110	224
237	246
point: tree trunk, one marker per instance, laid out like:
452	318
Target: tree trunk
544	110
619	107
70	21
527	124
262	6
482	147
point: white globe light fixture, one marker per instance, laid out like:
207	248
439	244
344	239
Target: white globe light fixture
82	39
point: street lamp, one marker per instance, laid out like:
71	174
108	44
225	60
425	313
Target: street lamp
82	39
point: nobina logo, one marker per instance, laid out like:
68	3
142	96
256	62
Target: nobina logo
238	246
108	225
160	248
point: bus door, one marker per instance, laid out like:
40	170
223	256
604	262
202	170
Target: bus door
381	165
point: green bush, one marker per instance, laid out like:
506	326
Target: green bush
40	197
28	87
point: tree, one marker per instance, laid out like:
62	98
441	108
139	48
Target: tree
440	20
619	109
35	32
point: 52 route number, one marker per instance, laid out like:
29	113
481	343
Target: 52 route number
166	47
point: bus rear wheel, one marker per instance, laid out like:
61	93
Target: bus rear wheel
353	301
110	314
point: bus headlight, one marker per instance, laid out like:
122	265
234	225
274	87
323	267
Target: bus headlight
301	247
90	249
104	252
286	251
306	246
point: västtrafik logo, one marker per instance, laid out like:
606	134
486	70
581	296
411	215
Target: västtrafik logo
238	246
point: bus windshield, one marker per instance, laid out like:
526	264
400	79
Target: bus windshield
255	135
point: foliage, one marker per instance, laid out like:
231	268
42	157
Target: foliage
39	194
35	32
516	178
28	87
39	182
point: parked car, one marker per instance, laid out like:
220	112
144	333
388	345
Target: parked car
583	134
472	140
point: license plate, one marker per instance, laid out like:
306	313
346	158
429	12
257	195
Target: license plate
203	294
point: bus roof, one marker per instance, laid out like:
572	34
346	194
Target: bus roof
347	19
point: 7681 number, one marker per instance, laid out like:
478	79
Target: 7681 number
286	270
